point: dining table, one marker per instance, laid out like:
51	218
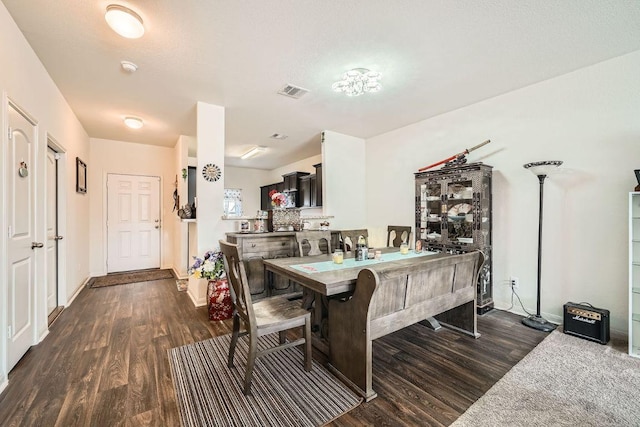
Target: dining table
322	275
321	279
326	283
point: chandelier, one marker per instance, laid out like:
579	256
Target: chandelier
358	81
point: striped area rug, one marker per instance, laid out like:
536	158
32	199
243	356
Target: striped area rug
283	393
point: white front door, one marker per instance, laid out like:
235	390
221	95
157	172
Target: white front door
133	222
22	244
52	230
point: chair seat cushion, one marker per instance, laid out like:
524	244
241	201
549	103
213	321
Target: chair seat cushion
276	310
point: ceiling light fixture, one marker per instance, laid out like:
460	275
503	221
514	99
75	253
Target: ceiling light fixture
133	122
124	21
128	66
358	81
253	152
278	136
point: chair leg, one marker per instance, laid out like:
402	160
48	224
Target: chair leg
307	344
283	337
251	359
234	339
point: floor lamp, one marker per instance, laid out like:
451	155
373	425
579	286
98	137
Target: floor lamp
541	170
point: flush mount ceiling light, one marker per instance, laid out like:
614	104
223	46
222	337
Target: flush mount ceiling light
253	152
133	122
358	81
124	21
128	66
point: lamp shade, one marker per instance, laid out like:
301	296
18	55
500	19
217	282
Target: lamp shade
133	122
543	168
124	21
253	152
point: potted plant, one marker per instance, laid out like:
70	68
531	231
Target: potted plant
211	268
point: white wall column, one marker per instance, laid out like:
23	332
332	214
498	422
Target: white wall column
210	194
344	180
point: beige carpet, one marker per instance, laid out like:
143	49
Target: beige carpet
283	394
564	381
129	277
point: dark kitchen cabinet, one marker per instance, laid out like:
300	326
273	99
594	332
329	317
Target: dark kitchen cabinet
305	194
318	185
265	200
291	181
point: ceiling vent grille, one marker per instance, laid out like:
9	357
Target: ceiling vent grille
293	91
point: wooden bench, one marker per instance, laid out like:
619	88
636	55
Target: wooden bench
389	299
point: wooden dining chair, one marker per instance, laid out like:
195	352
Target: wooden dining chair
311	300
352	236
401	233
314	241
269	315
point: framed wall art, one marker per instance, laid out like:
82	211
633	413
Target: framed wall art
81	176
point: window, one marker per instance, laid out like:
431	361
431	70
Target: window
233	202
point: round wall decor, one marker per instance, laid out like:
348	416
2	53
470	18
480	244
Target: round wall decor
211	172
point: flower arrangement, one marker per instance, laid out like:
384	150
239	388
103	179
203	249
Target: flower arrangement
209	267
277	199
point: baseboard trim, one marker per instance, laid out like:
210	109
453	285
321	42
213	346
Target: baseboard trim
177	275
195	302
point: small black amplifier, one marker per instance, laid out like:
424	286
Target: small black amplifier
586	321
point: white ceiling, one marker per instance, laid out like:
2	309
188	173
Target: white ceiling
435	56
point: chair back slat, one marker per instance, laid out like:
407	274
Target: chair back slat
314	240
396	234
237	276
352	237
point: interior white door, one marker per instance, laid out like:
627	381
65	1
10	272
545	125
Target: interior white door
133	222
52	230
22	244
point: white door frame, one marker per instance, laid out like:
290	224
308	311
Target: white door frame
4	309
62	219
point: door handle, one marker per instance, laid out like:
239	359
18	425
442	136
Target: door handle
58	238
157	220
36	245
157	226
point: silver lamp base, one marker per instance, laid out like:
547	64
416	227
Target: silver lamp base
538	322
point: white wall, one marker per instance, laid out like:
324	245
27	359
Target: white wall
24	80
588	119
180	256
304	165
249	180
210	227
344	180
108	156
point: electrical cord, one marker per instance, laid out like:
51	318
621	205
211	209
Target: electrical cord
513	292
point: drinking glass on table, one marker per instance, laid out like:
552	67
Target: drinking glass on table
338	256
404	248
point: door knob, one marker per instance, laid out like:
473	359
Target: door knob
157	226
157	220
58	238
36	245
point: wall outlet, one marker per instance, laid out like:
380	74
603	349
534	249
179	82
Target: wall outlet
514	282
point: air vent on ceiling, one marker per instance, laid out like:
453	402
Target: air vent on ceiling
293	91
278	136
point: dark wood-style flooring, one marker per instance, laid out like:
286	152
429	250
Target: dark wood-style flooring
105	363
